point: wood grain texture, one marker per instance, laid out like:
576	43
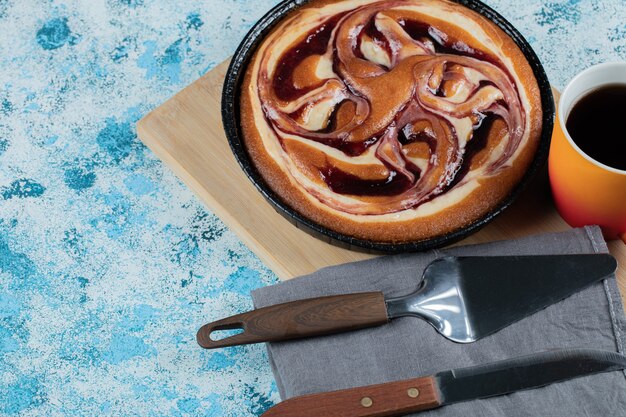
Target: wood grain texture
298	319
186	133
384	400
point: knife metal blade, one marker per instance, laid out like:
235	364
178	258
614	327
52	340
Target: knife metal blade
523	373
449	387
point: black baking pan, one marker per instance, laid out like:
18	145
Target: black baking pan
231	120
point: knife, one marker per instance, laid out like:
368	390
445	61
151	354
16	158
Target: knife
463	298
449	387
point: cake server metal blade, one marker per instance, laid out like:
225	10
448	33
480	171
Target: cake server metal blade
468	298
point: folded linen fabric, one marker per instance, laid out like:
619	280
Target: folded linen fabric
409	347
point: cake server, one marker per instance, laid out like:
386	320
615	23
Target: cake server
449	387
463	298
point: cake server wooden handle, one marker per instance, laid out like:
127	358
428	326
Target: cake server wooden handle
299	319
384	400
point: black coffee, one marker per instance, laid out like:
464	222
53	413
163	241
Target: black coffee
597	124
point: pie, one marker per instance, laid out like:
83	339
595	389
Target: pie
390	120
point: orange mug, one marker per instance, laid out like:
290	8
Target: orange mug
585	191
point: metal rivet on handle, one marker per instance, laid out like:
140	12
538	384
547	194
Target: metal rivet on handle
366	402
413	392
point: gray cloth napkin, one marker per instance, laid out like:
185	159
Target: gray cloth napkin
409	347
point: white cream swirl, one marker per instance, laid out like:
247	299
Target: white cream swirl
371	107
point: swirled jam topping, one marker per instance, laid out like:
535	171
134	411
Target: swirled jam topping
378	108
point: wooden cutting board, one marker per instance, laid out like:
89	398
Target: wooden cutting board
186	133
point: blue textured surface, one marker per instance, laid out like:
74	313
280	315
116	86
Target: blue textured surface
108	264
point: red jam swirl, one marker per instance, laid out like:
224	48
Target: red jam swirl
405	98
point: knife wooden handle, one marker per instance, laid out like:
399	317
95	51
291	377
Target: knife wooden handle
384	400
298	319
